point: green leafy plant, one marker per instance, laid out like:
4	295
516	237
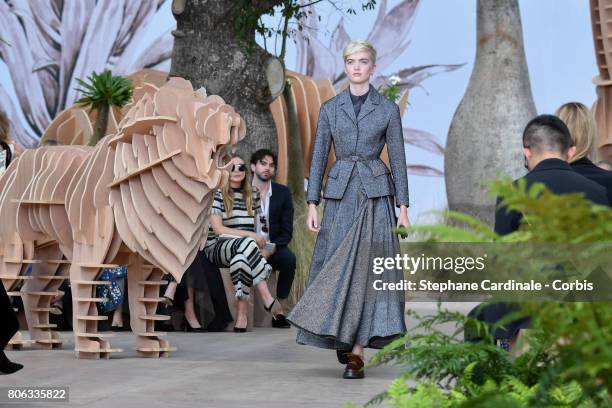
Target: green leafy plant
101	93
442	370
567	352
249	19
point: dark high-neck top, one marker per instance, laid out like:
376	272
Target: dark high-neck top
358	101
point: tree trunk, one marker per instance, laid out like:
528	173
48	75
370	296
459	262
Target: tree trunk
100	125
295	180
209	52
485	137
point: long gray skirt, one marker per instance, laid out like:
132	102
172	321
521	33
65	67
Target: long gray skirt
340	306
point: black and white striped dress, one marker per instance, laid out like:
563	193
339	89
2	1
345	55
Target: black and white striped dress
246	264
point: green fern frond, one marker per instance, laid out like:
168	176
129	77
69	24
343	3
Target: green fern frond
566	394
568	361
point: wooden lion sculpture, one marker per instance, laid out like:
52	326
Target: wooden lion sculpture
140	198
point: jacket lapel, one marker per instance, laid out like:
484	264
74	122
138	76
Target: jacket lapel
347	105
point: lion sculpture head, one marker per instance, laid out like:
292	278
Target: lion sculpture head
171	152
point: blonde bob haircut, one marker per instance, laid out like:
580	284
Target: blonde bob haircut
582	126
359	46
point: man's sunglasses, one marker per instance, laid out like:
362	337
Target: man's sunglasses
239	167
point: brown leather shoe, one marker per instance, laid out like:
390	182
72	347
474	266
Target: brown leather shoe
354	368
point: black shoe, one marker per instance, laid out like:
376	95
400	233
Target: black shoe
280	322
279	318
343	356
240	329
10	368
7	366
190	329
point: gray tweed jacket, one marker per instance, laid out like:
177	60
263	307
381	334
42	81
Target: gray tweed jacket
359	142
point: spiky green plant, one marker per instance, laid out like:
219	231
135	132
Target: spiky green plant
101	93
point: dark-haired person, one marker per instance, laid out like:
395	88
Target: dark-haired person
547	146
583	130
275	224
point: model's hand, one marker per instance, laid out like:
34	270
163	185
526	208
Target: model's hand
402	220
313	218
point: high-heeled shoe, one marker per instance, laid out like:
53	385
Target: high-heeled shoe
240	329
190	329
278	320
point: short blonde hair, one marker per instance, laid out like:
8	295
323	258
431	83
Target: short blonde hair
582	126
359	46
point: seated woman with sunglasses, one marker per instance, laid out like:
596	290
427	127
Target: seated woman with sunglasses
232	242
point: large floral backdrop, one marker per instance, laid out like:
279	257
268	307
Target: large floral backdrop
428	44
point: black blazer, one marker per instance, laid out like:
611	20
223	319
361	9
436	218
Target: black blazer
281	215
602	177
559	177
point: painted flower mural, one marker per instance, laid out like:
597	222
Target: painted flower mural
49	44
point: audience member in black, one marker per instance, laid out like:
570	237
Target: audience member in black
275	224
583	129
203	275
547	147
9	326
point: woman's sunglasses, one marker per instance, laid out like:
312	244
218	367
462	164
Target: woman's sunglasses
239	167
264	223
